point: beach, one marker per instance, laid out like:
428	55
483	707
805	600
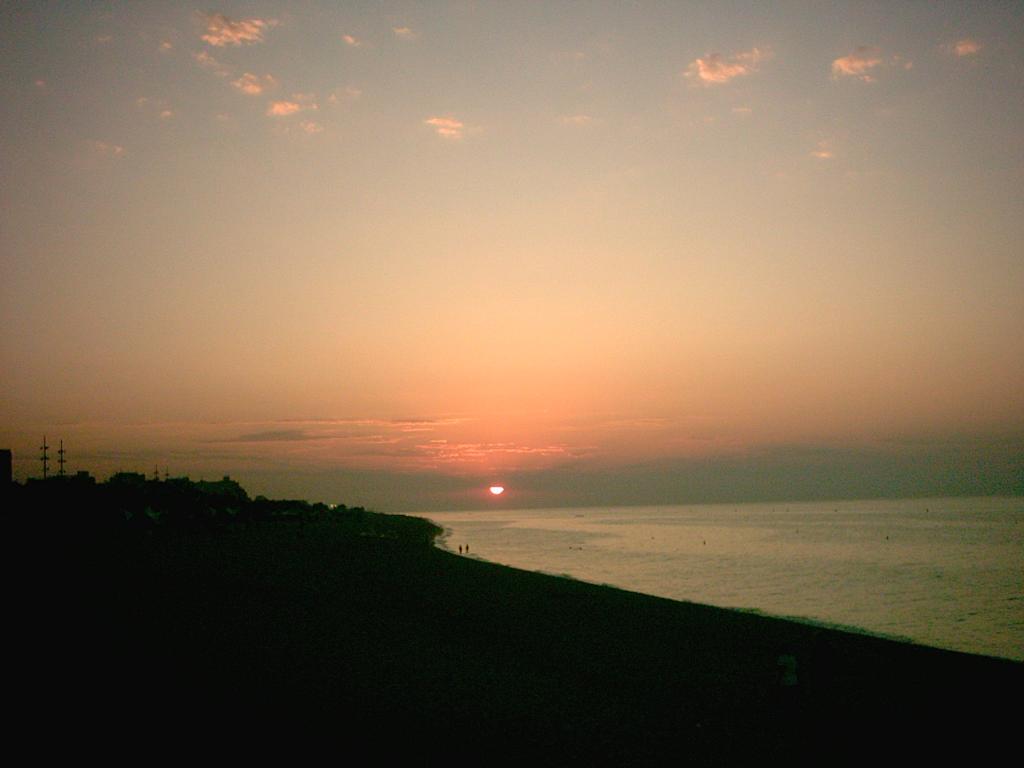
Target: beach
932	571
383	640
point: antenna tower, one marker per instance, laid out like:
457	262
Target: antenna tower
45	458
60	459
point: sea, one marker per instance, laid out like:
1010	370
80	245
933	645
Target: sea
944	572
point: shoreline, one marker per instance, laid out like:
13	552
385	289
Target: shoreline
349	634
809	622
909	590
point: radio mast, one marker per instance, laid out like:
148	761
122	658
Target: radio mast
60	459
45	458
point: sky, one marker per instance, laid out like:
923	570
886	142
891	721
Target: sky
391	253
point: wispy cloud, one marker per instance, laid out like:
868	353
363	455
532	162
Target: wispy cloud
311	126
422	424
371	431
152	106
222	31
166	46
444	451
106	149
203	59
823	150
206	61
348	93
352	40
273	436
899	61
635	422
858	64
575	119
716	69
405	33
447	127
299	102
965	47
254	85
283	108
437	421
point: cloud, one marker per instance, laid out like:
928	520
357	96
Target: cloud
858	64
459	453
40	83
222	31
254	85
447	127
311	126
370	431
405	33
283	108
966	47
375	422
348	93
352	40
300	102
639	422
105	149
423	424
273	436
166	45
716	69
742	110
823	150
206	61
153	106
575	120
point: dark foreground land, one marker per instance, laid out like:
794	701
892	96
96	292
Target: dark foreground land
349	631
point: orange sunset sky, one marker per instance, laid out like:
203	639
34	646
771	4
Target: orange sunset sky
613	252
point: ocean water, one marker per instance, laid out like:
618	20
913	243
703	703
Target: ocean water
941	572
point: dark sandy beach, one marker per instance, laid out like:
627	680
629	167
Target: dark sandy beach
315	632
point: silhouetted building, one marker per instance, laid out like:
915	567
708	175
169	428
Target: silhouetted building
6	467
84	478
226	487
127	478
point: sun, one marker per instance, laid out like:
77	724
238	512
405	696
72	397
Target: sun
497	490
